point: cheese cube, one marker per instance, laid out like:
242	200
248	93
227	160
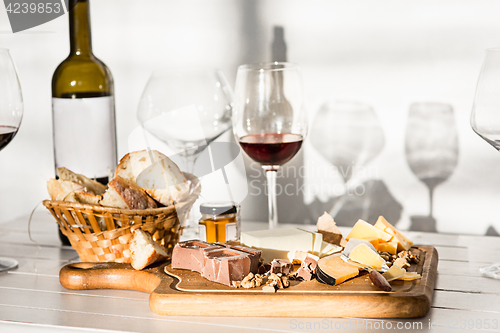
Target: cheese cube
364	255
375	242
391	247
364	230
403	242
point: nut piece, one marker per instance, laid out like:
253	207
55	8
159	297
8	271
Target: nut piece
402	262
277	281
403	254
379	281
248	284
268	289
249	281
285	282
258	280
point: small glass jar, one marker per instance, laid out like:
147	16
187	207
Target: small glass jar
219	222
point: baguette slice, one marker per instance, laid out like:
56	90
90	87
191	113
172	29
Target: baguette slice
126	195
88	184
60	189
144	250
87	198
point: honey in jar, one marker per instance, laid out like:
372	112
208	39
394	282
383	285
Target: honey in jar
219	222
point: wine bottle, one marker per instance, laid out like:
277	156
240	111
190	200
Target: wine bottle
83	113
83	105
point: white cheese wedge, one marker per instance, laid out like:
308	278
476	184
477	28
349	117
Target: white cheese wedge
394	273
286	243
317	241
328	248
279	243
286	239
366	256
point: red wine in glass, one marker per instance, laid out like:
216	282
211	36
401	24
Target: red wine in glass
271	148
7	133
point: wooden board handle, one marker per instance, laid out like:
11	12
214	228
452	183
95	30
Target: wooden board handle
108	276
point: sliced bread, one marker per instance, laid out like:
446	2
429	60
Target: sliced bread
89	185
125	194
144	250
162	180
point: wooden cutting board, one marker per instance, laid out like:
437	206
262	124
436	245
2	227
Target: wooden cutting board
185	293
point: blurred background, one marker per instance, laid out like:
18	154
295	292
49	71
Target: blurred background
389	88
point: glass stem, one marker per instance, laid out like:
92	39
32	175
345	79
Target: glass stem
431	200
271	196
190	161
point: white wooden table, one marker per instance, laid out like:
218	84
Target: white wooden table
31	298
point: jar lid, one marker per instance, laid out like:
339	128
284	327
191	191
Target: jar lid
218	208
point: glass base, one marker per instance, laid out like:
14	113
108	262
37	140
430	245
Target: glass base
7	263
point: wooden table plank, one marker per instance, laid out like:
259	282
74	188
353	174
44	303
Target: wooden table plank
487	303
437	317
33	251
470	269
45	283
468	284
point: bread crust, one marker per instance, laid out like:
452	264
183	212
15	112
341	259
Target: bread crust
125	194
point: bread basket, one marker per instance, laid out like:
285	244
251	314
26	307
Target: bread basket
79	222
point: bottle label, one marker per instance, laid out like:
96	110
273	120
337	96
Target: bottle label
84	135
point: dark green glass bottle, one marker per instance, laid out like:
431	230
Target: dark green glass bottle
83	113
83	105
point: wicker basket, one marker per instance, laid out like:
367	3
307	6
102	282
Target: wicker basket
80	223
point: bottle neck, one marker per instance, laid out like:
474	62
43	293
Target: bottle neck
79	28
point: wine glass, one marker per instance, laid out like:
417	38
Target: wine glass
187	109
431	147
269	118
349	135
11	114
485	117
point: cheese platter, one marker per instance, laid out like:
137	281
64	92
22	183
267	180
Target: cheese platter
179	292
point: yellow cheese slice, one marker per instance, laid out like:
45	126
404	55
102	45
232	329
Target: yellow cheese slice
364	255
410	276
332	270
364	230
391	247
394	272
403	242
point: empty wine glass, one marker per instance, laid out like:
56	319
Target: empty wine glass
431	147
269	118
187	109
485	117
349	135
11	114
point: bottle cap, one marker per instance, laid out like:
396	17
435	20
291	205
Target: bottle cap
218	208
